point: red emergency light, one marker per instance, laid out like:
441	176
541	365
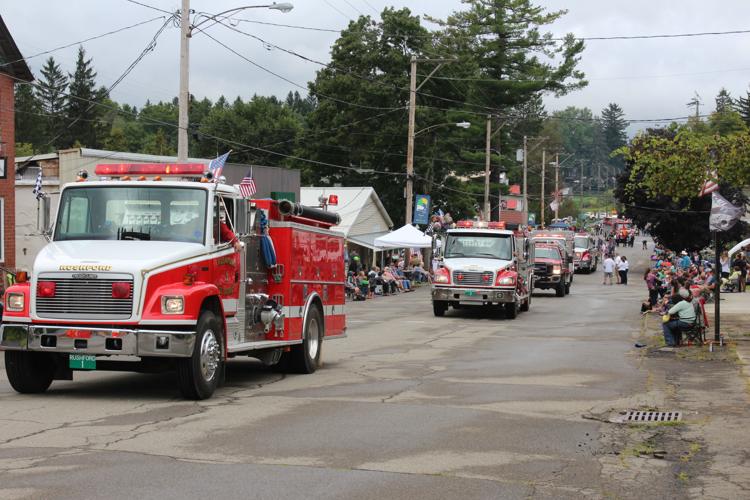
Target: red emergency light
465	223
496	225
177	169
333	200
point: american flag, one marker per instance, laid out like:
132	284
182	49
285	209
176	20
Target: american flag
709	186
247	185
38	185
217	165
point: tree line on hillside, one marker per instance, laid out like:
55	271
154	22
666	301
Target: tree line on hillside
351	127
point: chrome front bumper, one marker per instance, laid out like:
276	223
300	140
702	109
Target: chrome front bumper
92	340
476	295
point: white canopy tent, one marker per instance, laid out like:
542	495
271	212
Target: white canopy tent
405	237
739	246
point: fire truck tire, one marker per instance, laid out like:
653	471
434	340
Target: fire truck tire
526	303
560	289
439	308
567	287
29	372
200	374
511	310
305	357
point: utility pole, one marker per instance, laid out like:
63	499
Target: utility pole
410	143
544	161
182	131
412	116
487	208
557	185
581	181
525	192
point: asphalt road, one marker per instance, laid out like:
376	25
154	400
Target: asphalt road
409	406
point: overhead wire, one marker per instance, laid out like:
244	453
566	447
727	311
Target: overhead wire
149	6
95	37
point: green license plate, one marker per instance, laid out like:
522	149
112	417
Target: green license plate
82	362
469	293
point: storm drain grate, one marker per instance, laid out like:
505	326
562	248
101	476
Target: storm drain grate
652	416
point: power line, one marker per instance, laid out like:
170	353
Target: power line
150	7
96	37
318	94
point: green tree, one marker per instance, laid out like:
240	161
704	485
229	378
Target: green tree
29	118
742	106
264	123
615	136
82	112
724	101
50	91
669	216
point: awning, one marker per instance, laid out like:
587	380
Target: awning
367	240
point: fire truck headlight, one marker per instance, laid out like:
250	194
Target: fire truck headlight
172	304
14	302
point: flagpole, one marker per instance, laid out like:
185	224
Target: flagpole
717	286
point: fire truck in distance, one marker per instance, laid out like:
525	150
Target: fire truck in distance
143	272
620	229
483	264
565	240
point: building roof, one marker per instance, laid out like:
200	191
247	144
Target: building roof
136	157
356	223
11	60
44	157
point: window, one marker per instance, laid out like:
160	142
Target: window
132	213
486	246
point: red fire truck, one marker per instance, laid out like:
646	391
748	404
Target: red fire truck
144	272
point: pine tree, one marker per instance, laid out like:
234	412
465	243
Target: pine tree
50	93
29	117
724	101
614	126
742	105
81	111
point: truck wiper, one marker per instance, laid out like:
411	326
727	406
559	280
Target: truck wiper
448	256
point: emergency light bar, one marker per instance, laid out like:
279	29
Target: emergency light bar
122	169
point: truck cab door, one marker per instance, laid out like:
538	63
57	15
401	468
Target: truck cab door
227	267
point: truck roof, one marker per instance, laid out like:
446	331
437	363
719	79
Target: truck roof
483	230
222	188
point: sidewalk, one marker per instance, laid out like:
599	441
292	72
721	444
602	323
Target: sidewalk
734	314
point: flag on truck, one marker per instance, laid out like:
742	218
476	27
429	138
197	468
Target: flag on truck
217	165
247	185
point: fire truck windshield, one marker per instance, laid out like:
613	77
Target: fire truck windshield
581	242
132	213
478	245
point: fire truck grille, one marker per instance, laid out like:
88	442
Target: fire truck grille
542	269
472	278
80	298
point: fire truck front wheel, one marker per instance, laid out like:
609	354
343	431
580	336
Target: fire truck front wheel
305	357
200	374
29	372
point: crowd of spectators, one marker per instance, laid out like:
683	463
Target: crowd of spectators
394	278
680	284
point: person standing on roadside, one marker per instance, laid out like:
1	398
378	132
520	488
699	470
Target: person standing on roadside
622	270
609	267
724	261
618	260
653	288
741	263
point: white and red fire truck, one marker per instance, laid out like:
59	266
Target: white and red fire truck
483	264
138	276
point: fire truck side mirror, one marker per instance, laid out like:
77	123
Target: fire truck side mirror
43	222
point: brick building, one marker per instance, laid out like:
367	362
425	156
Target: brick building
13	69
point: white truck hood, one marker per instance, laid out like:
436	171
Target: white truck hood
475	264
117	256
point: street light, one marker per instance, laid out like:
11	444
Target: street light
186	31
463	125
410	160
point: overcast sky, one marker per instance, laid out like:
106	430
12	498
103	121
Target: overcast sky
648	78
